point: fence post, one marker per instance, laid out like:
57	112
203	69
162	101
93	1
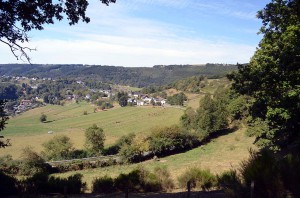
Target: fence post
252	189
188	189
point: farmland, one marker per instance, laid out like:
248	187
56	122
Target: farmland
27	130
223	153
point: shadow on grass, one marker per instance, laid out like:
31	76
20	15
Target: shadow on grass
201	194
49	121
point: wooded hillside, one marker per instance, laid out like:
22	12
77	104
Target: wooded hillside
133	76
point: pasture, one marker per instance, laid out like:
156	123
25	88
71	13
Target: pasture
27	130
223	153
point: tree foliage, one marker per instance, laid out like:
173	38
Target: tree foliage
177	99
58	148
20	17
43	118
3	120
192	84
272	77
122	99
212	115
95	138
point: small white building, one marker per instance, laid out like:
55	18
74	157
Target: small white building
147	100
140	103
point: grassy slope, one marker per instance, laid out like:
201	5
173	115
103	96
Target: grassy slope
26	129
223	153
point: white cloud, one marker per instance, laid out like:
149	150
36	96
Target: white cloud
115	37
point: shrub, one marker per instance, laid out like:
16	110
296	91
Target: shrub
103	185
35	184
130	181
139	180
198	178
136	151
164	178
262	168
231	184
123	140
163	141
32	162
8	165
8	185
59	147
41	183
43	118
290	172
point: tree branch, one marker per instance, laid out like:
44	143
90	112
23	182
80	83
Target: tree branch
15	48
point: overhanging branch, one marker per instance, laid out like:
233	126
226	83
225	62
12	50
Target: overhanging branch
18	51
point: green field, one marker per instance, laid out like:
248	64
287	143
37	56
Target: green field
27	130
223	153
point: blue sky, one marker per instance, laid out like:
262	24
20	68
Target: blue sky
140	33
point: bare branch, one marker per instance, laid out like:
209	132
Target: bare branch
15	48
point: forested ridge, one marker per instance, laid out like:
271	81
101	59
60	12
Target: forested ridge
134	76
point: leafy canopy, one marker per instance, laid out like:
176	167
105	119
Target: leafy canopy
272	77
95	138
58	148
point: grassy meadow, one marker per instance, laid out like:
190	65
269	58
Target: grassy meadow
27	130
223	153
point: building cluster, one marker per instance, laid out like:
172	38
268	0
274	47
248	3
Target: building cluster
136	98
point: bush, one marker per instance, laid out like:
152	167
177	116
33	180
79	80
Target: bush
41	183
59	147
8	165
43	118
142	180
164	177
231	184
123	140
177	99
198	178
167	140
32	163
103	185
130	181
8	185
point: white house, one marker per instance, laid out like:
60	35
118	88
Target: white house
140	103
147	100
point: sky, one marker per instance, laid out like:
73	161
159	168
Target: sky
144	33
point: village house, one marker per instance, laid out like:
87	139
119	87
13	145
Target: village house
131	100
26	102
140	103
147	100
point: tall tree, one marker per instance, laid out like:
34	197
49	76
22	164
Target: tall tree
58	148
272	77
18	17
95	138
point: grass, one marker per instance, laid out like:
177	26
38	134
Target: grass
27	130
217	156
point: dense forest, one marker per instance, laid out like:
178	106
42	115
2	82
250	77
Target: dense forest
133	76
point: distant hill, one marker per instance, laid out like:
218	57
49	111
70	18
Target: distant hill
133	76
